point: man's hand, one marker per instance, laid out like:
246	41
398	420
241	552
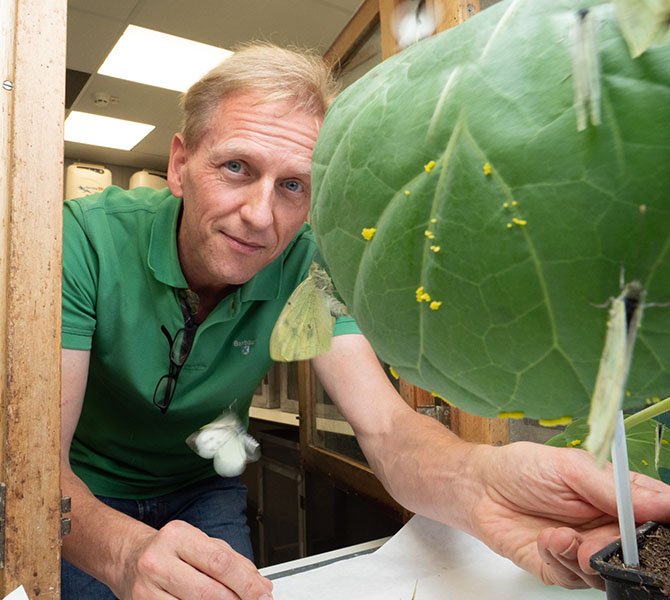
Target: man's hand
134	560
180	561
549	509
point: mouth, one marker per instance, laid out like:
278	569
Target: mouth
241	244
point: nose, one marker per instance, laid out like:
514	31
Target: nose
257	207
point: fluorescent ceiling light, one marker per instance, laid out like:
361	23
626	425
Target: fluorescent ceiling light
158	59
108	132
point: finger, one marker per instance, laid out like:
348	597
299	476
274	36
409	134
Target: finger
560	551
225	569
219	562
651	498
595	541
182	581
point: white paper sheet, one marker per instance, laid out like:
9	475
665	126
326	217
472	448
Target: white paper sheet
18	594
445	564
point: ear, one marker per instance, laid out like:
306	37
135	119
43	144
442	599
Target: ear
176	165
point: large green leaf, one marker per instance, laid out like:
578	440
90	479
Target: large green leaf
639	441
535	221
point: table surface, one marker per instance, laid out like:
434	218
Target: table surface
425	560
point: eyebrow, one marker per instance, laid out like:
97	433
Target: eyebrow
232	148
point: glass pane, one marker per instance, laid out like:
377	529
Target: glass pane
332	432
288	387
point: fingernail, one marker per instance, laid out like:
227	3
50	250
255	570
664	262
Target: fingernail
571	551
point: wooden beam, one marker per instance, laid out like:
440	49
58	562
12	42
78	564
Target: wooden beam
478	429
32	43
354	34
387	20
415	396
449	13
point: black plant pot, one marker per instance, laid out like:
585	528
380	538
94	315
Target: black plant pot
624	583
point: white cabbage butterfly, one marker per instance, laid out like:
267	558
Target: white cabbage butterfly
305	325
624	320
225	441
413	22
586	71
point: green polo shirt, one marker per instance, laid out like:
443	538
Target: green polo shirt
121	274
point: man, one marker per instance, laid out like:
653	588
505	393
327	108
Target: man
157	289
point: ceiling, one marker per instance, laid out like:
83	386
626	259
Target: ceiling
95	25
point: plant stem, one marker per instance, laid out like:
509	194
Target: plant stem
648	413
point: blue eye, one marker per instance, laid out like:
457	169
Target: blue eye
234	165
294	186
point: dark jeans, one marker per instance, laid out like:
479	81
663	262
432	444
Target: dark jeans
217	506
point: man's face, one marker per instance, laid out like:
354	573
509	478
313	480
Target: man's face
245	190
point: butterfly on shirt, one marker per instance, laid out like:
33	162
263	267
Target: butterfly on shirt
305	325
226	441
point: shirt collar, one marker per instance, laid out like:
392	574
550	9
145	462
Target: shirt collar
163	258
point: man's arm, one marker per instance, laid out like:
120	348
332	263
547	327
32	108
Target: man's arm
420	462
548	509
133	559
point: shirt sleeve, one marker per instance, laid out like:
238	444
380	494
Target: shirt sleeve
80	281
345	325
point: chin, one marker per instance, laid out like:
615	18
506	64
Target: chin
238	278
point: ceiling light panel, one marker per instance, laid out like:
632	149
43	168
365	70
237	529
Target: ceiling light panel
154	58
96	130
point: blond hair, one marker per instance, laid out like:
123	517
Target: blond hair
272	73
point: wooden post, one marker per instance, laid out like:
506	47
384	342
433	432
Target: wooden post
355	33
449	13
387	18
32	63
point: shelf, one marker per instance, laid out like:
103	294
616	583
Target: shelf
275	415
334	426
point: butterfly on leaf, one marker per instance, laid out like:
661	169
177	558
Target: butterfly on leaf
624	319
644	23
305	325
227	442
586	71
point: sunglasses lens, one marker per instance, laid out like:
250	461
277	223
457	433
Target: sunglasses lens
178	352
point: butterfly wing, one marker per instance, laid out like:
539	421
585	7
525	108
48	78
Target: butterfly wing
643	23
608	392
304	327
613	372
586	72
231	458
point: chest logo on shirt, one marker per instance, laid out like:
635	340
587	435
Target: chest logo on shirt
244	345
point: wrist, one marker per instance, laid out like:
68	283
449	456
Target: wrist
123	568
472	486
